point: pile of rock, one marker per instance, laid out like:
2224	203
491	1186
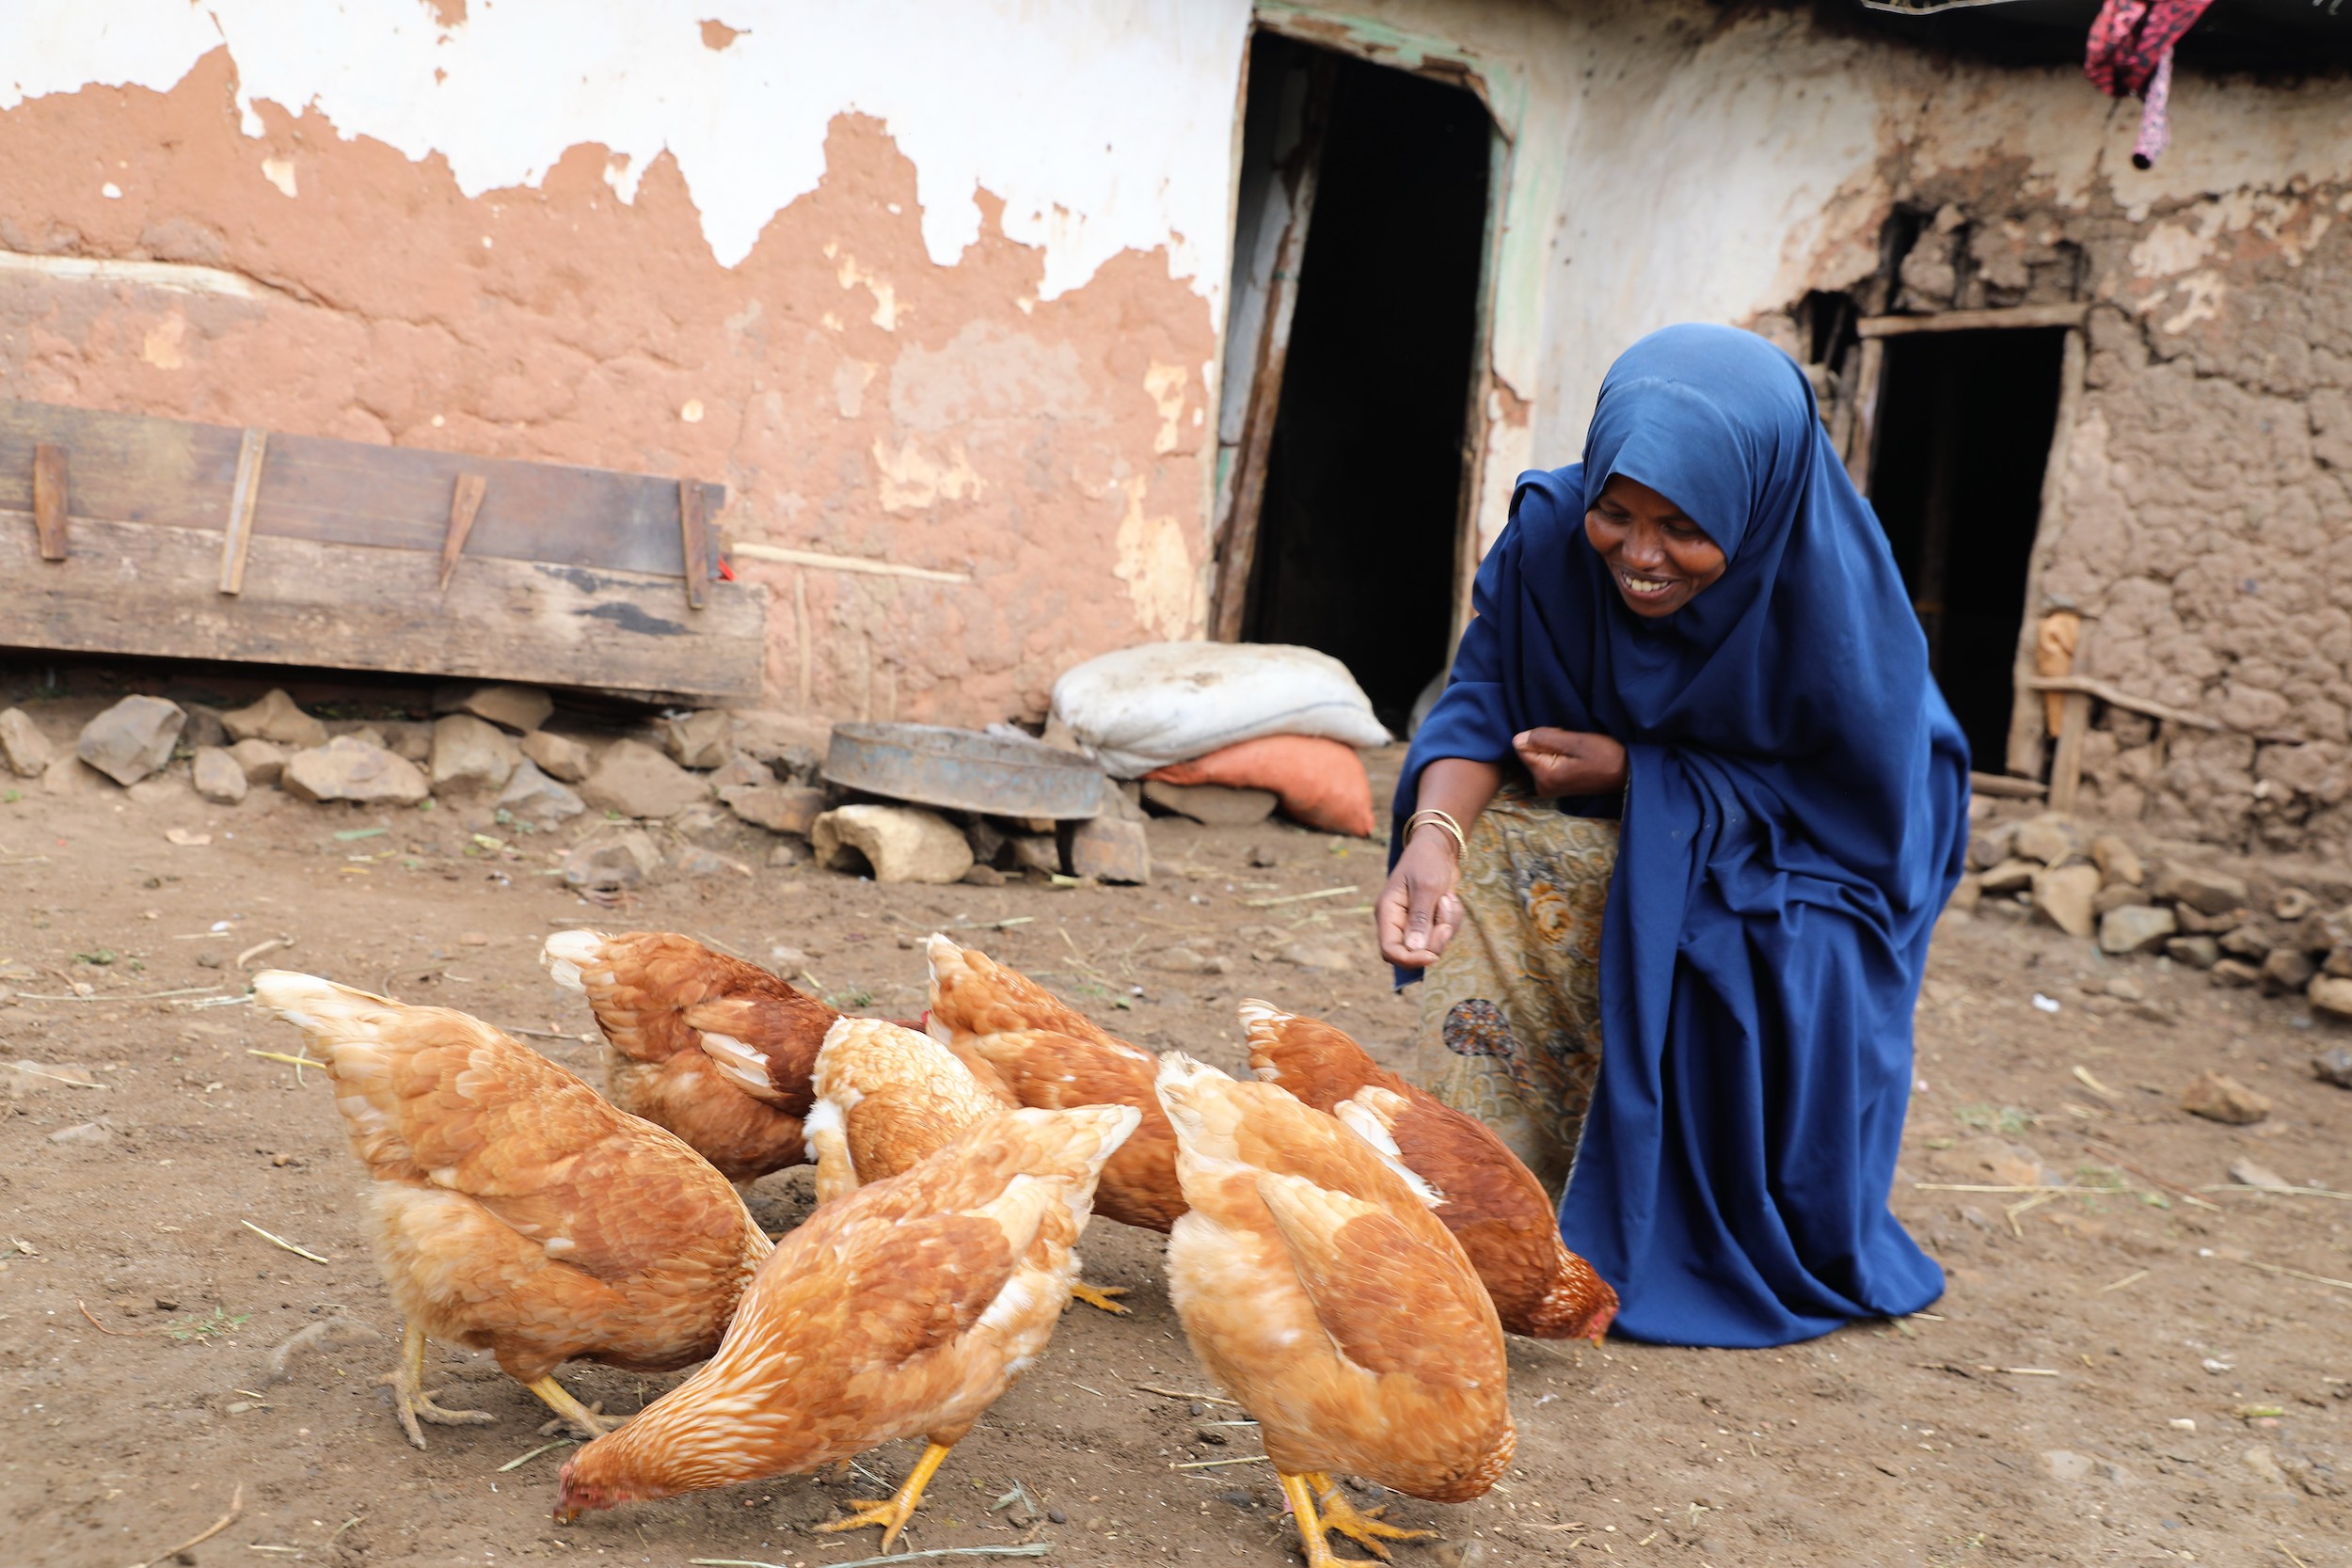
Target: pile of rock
2193	914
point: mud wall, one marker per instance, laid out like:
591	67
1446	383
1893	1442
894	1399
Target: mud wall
906	277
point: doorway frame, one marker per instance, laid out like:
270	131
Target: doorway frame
1439	60
2028	729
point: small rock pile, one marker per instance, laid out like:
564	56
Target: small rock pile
2193	914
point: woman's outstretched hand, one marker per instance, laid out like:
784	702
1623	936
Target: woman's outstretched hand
1418	913
1571	762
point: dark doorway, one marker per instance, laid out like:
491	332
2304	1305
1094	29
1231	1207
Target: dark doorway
1963	434
1355	535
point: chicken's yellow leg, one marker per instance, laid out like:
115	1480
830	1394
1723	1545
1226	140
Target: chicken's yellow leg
1099	1296
580	1418
1361	1527
409	1397
893	1515
1302	1501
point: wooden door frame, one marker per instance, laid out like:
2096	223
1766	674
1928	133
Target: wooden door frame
1233	549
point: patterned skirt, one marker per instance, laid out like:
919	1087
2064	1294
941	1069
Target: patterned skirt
1510	1014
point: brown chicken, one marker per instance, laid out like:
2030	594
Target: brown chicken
886	1098
905	1307
514	1210
1050	1056
658	997
1491	1201
1318	1289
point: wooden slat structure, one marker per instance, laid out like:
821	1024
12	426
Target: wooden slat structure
346	555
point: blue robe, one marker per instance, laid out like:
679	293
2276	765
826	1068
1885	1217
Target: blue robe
1794	820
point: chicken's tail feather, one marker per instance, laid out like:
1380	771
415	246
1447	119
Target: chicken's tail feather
569	954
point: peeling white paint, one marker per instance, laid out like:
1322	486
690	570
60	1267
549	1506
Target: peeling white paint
1104	125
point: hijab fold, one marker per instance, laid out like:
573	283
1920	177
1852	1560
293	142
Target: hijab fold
1794	820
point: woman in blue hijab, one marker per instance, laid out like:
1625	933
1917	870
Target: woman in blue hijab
1671	845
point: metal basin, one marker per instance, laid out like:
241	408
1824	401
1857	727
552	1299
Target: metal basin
932	765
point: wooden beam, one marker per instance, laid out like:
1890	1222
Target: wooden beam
693	541
2066	765
136	589
464	502
49	499
237	539
2002	784
1974	320
2026	718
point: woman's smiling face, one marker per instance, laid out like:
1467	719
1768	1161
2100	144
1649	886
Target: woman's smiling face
1659	558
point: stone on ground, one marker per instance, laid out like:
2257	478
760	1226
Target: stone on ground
2331	993
900	843
159	790
133	738
2050	838
1215	805
614	864
1111	849
24	750
2196	952
778	808
263	761
2333	1066
538	799
2206	891
2135	927
2286	969
559	756
472	756
701	740
2219	1097
2235	972
2064	895
203	728
1323	954
274	717
346	768
2248	1173
2118	861
67	776
2010	876
218	776
633	778
1036	852
520	708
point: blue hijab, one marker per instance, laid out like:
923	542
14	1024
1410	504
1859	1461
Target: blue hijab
1795	819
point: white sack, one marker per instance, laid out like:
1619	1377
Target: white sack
1165	703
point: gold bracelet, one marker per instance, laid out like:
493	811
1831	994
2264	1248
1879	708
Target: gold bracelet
1431	818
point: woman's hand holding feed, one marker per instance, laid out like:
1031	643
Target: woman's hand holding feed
1420	910
1571	762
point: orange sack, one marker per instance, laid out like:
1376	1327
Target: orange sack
1321	782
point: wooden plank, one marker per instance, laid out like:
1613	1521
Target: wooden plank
2026	718
693	541
2066	764
130	468
464	502
236	541
1242	491
50	488
1975	321
137	589
1862	433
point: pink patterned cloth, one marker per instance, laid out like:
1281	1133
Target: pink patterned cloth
2130	54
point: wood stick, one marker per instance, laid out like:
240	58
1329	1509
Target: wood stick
49	499
464	502
693	538
2003	784
2066	764
281	1241
237	541
787	557
236	1506
1970	321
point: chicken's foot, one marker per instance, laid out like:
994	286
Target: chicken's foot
410	1398
1301	1496
551	1427
1363	1525
575	1415
893	1515
1099	1296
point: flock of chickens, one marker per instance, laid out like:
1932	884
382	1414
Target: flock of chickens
1346	1253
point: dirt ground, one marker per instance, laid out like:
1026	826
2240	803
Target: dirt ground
2111	1378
